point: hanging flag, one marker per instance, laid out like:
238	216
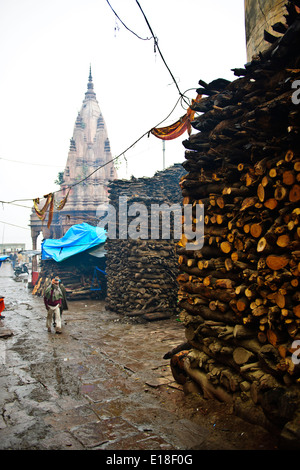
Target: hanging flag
62	203
179	127
41	213
50	217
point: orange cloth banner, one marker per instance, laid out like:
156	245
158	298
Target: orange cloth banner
41	213
62	203
179	127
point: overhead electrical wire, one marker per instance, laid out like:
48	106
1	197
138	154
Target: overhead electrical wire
115	13
160	53
181	98
13	225
29	163
109	161
155	39
19	205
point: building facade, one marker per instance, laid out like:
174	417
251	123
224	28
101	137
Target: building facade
88	170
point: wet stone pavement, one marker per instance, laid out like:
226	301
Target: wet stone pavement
101	385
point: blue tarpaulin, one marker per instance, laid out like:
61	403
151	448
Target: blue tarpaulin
2	258
79	238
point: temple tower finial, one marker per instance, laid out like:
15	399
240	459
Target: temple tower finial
90	86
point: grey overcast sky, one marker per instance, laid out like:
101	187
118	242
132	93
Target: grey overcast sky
46	48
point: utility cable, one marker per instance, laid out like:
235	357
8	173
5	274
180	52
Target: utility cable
115	13
102	166
182	98
28	163
13	225
160	53
132	145
156	46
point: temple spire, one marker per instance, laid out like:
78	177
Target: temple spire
90	94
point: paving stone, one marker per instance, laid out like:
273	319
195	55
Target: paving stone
141	441
2	423
71	418
102	384
102	431
98	392
60	441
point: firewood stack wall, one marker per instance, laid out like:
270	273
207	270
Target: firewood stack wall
240	294
77	274
141	273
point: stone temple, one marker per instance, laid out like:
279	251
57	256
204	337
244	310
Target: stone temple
89	150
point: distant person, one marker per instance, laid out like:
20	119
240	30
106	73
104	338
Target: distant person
64	303
14	260
53	299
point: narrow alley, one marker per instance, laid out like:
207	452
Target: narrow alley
102	384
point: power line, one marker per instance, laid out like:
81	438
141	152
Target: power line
13	225
182	98
102	166
19	205
143	39
29	163
158	48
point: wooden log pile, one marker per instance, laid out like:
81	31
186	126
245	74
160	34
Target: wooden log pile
142	272
240	294
76	274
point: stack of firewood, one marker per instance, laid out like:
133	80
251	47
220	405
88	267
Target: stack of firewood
142	272
142	278
77	275
239	294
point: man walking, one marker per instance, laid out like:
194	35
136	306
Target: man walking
64	303
53	302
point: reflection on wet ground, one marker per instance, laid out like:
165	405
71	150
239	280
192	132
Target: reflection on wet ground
102	384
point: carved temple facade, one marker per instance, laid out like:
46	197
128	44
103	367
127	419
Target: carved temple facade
89	150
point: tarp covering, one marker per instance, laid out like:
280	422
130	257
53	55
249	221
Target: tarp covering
98	252
2	258
79	238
